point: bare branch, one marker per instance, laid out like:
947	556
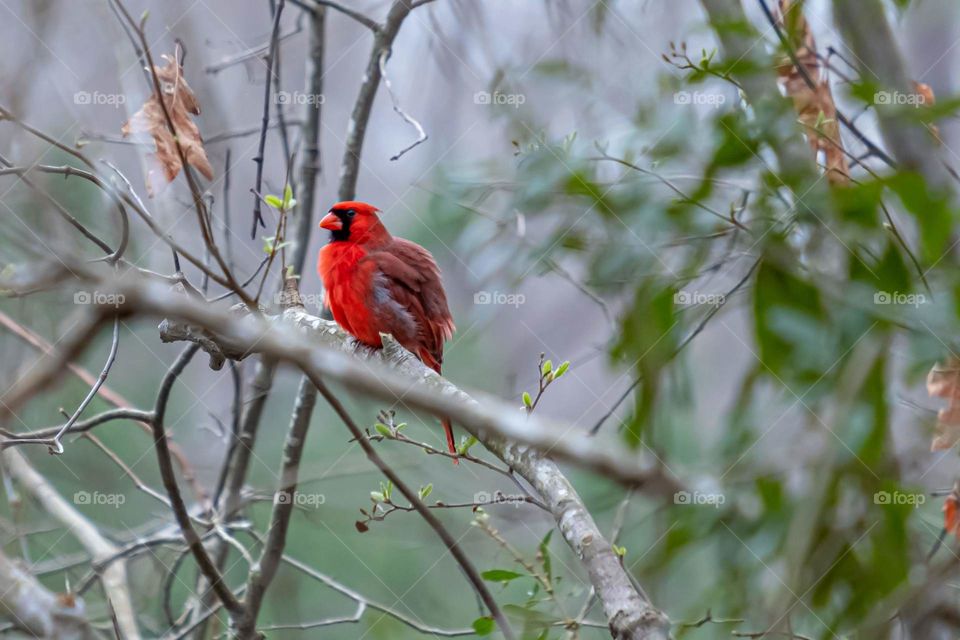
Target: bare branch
356	15
113	577
400	374
412	496
258	51
359	598
195	544
310	159
357	127
46	435
265	120
37	611
56	446
421	134
512	436
262	573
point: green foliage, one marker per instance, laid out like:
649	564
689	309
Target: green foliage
648	338
484	626
500	575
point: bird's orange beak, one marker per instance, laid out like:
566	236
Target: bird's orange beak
331	222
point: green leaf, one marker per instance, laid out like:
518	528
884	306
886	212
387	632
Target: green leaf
930	209
501	575
788	315
425	491
465	445
648	336
274	202
383	430
544	549
547	367
527	400
562	369
529	616
580	184
484	626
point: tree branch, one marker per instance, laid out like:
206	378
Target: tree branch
113	577
392	372
355	15
357	127
37	611
265	120
179	508
262	573
412	496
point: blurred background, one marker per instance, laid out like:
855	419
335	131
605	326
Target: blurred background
576	189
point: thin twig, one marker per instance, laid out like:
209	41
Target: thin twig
265	119
179	508
56	446
421	134
412	496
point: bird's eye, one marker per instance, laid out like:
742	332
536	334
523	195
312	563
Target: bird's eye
351	213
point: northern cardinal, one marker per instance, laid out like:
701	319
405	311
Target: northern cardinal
375	283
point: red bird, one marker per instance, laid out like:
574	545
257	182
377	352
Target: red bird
376	283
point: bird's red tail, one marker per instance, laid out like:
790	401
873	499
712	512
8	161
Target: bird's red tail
451	446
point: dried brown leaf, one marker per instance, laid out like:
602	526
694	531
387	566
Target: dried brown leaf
814	106
944	382
180	102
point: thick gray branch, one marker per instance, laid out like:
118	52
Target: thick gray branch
114	576
319	348
395	373
37	611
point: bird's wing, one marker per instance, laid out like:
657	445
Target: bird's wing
408	277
